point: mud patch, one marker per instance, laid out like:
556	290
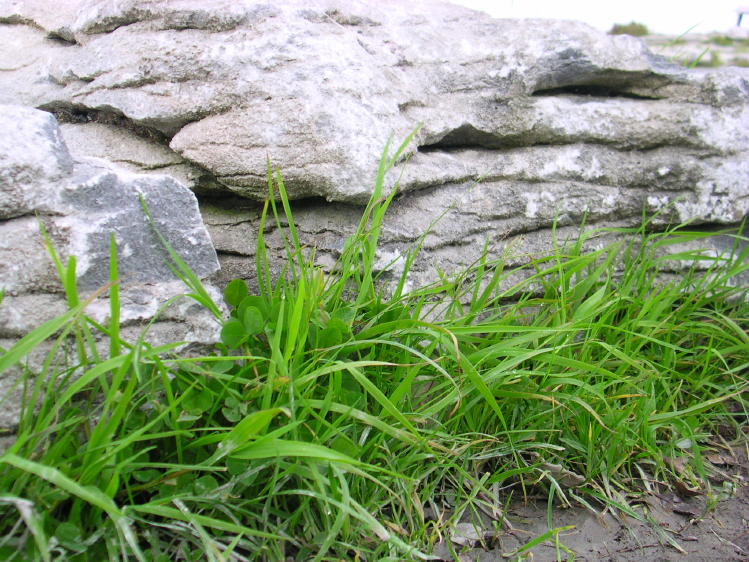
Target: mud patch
669	527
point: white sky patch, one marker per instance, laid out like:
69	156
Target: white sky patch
661	16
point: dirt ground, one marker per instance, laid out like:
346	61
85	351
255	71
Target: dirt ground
676	526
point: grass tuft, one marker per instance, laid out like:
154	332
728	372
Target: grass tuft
341	419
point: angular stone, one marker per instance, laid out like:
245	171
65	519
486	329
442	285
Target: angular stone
79	205
33	157
109	200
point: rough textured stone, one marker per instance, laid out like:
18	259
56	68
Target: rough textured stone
319	88
80	204
33	157
554	120
457	225
128	151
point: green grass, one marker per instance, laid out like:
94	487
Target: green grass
714	61
337	420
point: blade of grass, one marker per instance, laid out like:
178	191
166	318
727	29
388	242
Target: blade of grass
89	495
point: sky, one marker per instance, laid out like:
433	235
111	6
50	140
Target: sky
661	16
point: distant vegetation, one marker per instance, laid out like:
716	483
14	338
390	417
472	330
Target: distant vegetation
739	43
702	50
631	28
722	40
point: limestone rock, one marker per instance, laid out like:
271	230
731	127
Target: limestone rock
80	203
131	152
523	122
33	157
318	88
80	211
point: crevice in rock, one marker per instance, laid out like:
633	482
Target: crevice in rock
225	252
468	136
61	36
77	114
35	214
740	228
456	141
16	19
592	90
146	167
108	24
463	138
411	187
229	201
203	180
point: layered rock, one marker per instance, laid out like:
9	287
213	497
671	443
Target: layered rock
80	203
524	123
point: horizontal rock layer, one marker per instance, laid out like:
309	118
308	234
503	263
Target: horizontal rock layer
319	87
80	204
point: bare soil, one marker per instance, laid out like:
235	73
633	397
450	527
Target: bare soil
674	523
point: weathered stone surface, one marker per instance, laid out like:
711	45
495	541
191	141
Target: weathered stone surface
555	119
81	203
319	88
460	223
128	151
33	157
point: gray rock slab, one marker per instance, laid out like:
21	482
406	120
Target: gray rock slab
109	201
318	89
80	204
141	154
455	224
523	123
117	145
33	157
